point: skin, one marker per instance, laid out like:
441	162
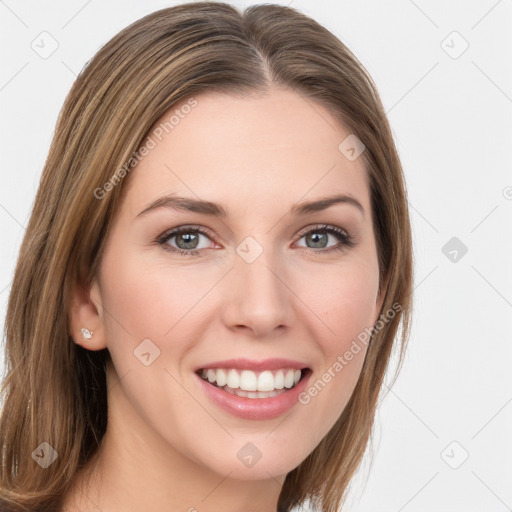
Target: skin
166	444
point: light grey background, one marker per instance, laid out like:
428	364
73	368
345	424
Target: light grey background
450	111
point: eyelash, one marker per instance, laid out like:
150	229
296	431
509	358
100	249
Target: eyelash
340	234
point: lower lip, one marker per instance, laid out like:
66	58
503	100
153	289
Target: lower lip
255	408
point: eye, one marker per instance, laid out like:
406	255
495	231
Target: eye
187	239
319	235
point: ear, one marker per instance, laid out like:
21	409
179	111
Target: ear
86	311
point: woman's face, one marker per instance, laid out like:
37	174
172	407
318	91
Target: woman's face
265	281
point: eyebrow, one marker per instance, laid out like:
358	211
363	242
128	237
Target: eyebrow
216	210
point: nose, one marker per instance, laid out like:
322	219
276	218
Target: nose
256	296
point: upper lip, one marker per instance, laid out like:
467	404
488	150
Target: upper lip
248	364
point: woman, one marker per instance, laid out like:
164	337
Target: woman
215	269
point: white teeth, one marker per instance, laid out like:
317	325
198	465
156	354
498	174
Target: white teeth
233	379
279	380
222	378
265	381
248	381
253	394
288	379
252	382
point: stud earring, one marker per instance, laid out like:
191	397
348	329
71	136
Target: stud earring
86	334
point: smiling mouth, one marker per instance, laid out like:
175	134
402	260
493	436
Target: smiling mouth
250	384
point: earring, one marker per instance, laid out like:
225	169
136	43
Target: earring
86	334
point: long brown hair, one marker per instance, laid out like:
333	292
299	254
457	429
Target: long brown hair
54	391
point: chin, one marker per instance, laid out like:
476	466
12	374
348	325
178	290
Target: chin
268	465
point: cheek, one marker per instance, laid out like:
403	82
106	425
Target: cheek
344	299
147	300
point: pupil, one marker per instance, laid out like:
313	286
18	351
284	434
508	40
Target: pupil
188	239
315	236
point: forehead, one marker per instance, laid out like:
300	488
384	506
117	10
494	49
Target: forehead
251	151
